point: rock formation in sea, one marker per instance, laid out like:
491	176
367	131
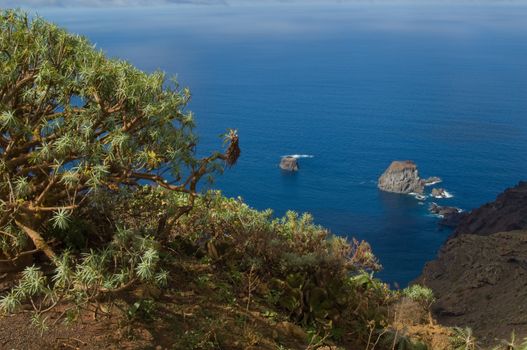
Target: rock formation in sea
480	273
450	216
439	193
401	177
432	180
289	163
440	210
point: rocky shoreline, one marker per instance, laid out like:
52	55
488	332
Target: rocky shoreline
507	213
480	273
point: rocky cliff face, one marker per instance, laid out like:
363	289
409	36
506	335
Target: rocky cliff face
480	274
480	282
508	212
401	177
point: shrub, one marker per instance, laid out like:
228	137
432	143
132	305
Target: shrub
78	129
420	294
74	122
512	344
423	296
317	278
463	339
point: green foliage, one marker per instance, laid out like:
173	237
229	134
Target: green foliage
61	219
129	258
143	309
420	294
317	279
40	322
512	344
74	122
80	135
320	280
395	341
463	339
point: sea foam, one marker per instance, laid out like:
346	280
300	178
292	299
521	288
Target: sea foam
297	156
418	196
447	195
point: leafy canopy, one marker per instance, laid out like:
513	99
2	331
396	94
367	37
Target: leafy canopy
73	121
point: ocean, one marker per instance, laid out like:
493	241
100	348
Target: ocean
352	86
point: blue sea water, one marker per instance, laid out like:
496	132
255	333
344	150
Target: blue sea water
354	85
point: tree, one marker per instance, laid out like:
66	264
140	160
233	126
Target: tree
73	122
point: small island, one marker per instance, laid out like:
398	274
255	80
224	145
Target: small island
289	163
401	177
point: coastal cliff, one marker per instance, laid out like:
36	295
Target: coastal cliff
507	213
480	273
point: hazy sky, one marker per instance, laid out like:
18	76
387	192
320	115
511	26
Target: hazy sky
112	3
98	3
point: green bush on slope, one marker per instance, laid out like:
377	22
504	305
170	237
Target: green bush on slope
74	125
317	278
74	122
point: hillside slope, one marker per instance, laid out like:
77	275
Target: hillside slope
480	274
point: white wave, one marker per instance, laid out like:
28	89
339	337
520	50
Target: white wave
445	195
297	156
418	196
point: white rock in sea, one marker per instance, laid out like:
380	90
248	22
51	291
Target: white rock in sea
401	177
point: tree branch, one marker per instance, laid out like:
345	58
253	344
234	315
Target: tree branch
38	241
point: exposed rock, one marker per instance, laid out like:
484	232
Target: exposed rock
289	163
480	274
507	213
451	216
401	177
453	219
439	210
439	193
479	282
432	181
